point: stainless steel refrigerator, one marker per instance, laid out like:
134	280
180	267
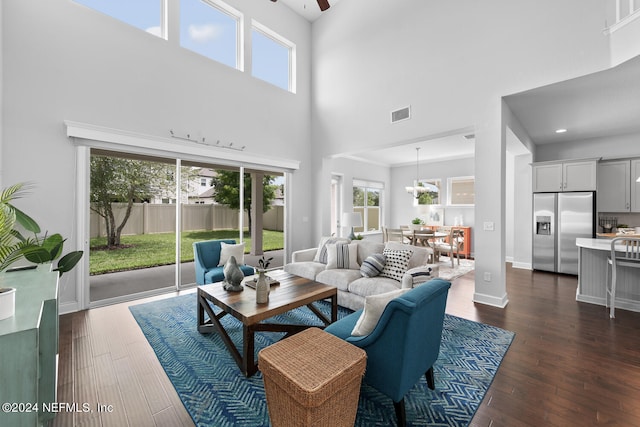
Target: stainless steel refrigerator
558	219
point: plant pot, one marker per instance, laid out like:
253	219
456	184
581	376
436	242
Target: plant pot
415	227
7	302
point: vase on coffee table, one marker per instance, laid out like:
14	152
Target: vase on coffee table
262	288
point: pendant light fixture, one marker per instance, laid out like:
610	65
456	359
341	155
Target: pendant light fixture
416	189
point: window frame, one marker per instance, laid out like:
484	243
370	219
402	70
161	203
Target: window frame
277	38
450	183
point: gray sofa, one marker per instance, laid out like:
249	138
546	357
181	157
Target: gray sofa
352	286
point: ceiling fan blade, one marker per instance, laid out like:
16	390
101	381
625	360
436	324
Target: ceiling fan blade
324	4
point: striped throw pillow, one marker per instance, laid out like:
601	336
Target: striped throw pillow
342	256
373	265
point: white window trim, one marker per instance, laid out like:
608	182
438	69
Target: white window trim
450	181
267	32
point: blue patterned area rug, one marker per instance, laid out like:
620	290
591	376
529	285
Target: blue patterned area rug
215	392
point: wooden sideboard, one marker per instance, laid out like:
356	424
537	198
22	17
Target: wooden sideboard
29	349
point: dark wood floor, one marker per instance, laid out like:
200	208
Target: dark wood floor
569	364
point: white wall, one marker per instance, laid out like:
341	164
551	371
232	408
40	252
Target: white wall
62	61
451	61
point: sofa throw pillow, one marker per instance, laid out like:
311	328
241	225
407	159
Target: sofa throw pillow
373	265
321	253
342	256
397	263
374	305
421	274
228	250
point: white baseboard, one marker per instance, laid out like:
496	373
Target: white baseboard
621	303
522	265
491	300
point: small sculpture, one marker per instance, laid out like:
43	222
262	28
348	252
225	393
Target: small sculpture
233	276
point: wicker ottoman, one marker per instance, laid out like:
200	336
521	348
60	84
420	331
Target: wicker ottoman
312	379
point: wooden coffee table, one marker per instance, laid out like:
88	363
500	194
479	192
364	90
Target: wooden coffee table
292	292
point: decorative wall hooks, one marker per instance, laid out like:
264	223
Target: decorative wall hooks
203	141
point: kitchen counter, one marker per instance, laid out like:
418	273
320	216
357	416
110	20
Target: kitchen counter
592	276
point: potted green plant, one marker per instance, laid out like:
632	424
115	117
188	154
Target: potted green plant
37	249
14	246
416	224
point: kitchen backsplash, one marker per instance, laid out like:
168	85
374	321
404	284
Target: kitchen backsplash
632	219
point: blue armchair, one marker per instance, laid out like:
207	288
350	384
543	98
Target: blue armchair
404	344
206	255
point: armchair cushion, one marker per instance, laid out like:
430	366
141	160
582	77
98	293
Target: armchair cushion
374	305
228	250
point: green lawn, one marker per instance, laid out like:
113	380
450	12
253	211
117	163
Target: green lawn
149	250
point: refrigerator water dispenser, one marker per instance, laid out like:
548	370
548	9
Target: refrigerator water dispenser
543	225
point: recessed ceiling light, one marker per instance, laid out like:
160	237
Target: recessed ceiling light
561	130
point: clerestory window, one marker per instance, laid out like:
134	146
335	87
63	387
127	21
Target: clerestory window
213	29
273	57
144	14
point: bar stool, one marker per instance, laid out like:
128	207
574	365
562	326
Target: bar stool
625	252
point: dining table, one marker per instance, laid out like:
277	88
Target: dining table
426	240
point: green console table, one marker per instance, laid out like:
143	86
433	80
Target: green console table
29	349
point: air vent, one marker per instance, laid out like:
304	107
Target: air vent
401	114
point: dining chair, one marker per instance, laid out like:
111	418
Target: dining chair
451	245
406	231
625	252
395	235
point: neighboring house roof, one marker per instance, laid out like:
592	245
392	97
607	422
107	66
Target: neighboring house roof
206	194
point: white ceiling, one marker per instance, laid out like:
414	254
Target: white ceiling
443	148
596	105
591	106
309	9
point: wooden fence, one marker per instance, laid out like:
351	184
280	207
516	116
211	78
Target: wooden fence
161	218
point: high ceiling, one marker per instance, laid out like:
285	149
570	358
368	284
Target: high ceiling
307	8
592	106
